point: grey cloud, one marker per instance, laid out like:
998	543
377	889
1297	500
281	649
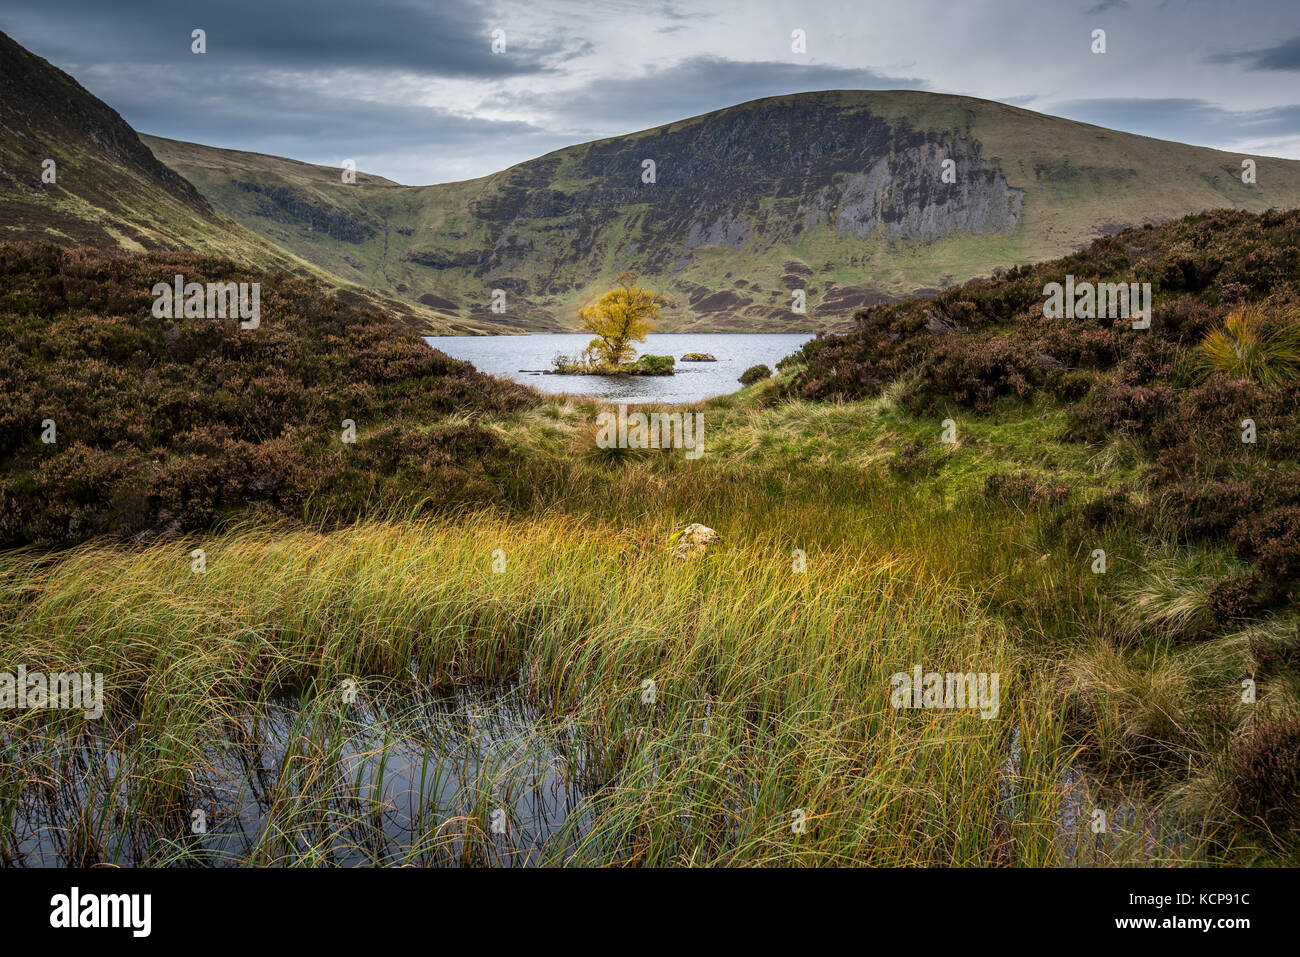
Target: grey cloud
313	126
1284	56
1025	100
449	38
697	85
304	124
1184	120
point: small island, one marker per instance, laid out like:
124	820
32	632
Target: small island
699	357
644	365
619	318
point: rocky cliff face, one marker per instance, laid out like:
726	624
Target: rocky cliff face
773	171
753	176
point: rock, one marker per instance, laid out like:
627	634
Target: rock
699	357
1048	362
693	541
939	326
263	484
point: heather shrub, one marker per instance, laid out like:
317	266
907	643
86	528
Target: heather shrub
1272	542
1266	778
915	460
170	425
1023	490
1276	655
976	371
1235	600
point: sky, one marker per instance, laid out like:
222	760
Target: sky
413	89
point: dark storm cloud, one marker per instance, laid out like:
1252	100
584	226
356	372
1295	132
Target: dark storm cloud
1184	120
697	85
450	38
276	76
1284	56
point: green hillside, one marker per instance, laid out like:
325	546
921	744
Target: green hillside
837	193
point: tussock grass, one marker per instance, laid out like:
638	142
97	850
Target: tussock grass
1247	347
1170	601
771	687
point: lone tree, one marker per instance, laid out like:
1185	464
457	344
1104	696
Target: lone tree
619	318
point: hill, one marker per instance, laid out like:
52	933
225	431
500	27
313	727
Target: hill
837	193
106	189
118	422
1148	397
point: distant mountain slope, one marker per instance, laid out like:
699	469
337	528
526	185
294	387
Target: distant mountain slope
838	193
109	191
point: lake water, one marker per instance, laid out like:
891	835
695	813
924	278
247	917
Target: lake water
509	356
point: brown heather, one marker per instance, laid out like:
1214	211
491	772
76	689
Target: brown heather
166	426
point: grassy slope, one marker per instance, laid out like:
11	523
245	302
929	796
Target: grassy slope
1079	180
134	217
373	202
